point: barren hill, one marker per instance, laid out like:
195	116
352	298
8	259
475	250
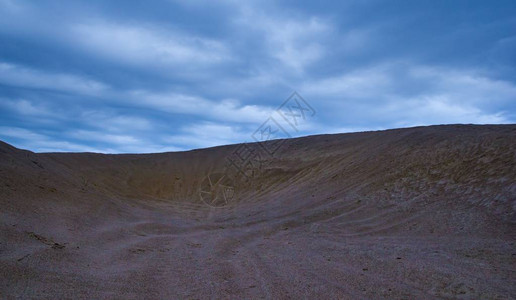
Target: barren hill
424	212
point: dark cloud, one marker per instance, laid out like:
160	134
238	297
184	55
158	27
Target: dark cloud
128	76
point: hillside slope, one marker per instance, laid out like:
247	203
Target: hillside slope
419	212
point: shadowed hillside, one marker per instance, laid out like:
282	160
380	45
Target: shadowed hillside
407	213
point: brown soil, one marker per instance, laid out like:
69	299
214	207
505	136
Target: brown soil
426	212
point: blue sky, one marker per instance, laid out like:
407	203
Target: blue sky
134	76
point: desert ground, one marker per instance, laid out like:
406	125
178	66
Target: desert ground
415	213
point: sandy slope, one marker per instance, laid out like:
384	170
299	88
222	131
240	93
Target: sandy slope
425	212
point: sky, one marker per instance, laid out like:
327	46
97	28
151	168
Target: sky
155	76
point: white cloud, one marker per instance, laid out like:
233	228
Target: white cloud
265	51
110	121
28	139
442	110
361	83
222	110
148	45
27	108
208	134
53	145
124	143
402	94
20	133
15	75
97	136
295	42
466	86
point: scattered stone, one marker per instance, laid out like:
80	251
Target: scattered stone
45	240
22	258
57	246
195	245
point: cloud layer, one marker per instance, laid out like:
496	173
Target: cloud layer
172	75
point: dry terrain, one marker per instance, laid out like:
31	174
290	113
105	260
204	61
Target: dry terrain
416	213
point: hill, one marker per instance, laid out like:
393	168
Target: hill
406	213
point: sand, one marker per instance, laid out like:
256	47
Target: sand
420	213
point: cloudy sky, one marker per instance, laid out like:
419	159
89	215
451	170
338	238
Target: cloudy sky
142	76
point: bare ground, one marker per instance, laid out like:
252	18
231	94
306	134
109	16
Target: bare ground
425	212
